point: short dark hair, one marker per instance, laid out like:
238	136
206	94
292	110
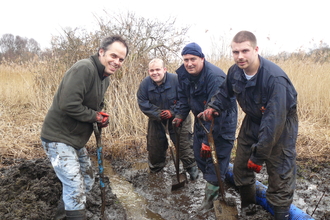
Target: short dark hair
243	36
110	40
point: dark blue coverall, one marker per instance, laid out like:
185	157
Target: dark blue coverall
269	130
194	94
152	99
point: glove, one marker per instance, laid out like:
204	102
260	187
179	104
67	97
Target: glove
255	167
165	114
205	151
208	114
177	122
102	119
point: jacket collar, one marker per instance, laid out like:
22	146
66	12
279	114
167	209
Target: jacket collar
165	83
100	67
240	76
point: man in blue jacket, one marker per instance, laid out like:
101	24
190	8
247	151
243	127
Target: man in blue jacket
269	130
157	98
198	82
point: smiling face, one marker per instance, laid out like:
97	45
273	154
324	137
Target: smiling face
113	57
193	64
246	56
157	71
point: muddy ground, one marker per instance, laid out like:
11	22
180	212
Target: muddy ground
30	190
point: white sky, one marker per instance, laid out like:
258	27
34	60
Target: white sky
279	25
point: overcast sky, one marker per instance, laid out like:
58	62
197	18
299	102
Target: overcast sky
280	25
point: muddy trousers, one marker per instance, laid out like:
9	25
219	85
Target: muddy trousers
281	212
74	169
157	144
281	165
223	148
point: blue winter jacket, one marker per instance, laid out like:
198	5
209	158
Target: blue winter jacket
269	98
195	94
152	98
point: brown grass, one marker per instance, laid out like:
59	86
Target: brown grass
27	92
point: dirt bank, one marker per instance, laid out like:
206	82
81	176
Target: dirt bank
31	191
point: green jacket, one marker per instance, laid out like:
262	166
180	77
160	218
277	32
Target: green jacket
79	96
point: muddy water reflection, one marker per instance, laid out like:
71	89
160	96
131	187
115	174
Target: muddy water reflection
156	189
134	204
148	196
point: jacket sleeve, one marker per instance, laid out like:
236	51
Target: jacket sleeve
71	97
150	110
273	119
224	97
182	107
213	83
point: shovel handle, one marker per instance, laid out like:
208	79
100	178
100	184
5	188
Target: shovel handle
177	149
214	156
100	158
171	145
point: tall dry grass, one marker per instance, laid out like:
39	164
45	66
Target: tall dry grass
27	92
311	80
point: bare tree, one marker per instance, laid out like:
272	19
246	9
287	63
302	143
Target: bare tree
7	46
147	38
33	46
18	48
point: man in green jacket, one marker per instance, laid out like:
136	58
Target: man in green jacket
68	125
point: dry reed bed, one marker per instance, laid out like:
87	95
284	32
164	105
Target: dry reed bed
27	92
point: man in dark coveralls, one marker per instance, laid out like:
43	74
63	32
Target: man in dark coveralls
269	130
198	82
157	98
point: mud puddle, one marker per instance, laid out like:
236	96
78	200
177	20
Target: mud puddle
31	190
135	205
312	184
180	204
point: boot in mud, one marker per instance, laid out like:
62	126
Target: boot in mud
75	215
211	194
248	199
193	172
281	212
60	212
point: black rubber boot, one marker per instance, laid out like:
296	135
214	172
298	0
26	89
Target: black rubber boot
75	215
281	212
248	199
211	194
193	172
60	212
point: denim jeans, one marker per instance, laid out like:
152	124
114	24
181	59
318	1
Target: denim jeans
74	169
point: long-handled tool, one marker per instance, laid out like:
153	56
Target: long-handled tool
225	208
181	177
97	133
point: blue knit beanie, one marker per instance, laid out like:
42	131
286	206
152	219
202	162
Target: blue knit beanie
193	49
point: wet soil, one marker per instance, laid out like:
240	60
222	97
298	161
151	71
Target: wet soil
31	190
312	194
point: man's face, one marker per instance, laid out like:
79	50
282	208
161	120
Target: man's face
244	54
112	58
193	64
157	72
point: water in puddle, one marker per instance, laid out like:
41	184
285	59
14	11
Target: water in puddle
134	204
148	196
152	194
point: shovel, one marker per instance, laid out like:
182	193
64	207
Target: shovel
225	208
181	177
97	132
